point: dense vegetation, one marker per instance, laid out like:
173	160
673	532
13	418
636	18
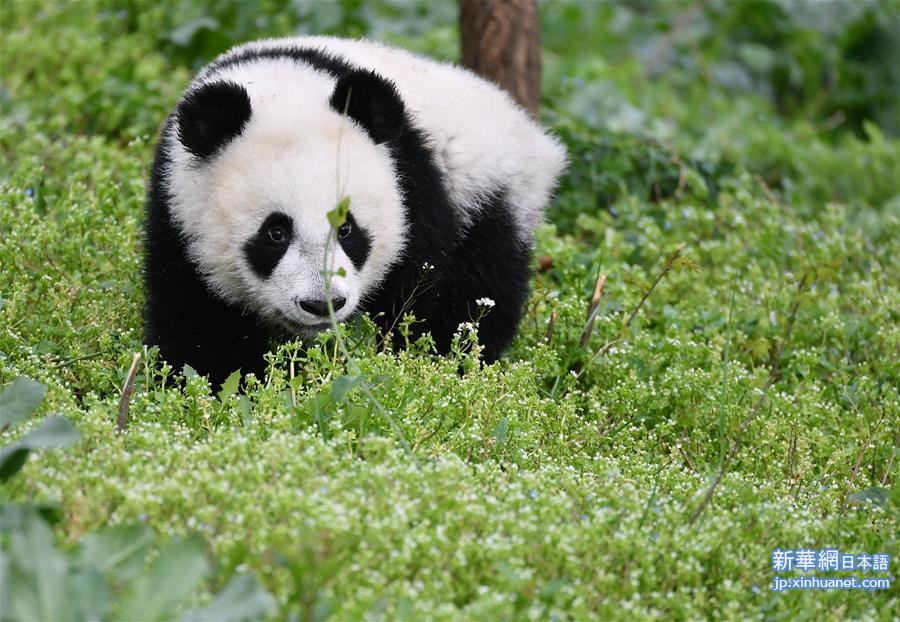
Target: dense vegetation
735	178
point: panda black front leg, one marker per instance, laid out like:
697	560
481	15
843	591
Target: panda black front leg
491	261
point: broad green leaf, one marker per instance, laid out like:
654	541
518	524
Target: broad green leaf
230	386
501	430
244	406
19	400
52	514
121	548
5	609
355	415
157	594
190	372
383	380
12	459
341	385
319	407
36	581
242	599
873	132
12	515
54	431
323	609
90	595
877	496
550	590
287	399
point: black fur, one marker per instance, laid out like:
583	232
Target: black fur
485	259
371	101
357	244
315	58
262	252
211	116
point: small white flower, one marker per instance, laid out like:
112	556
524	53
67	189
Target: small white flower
427	266
485	302
465	327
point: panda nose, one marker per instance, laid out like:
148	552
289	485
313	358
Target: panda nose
320	307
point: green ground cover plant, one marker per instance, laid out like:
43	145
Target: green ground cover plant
708	369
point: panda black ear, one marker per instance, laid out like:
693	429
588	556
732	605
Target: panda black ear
212	115
371	101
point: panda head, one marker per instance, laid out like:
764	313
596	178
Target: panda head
255	169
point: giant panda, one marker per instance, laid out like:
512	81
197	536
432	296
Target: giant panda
445	175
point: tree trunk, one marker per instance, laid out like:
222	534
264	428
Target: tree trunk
501	42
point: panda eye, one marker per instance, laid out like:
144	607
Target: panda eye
344	230
278	235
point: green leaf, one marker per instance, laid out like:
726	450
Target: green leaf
550	590
873	132
46	347
13	515
190	372
122	549
53	431
12	459
35	582
157	594
501	430
19	400
338	215
242	599
90	595
230	386
5	609
876	496
341	385
244	405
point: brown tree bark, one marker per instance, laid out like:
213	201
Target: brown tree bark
500	41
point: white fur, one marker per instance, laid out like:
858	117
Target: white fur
299	156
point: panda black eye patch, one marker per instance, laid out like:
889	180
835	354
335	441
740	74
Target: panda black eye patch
268	245
355	241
